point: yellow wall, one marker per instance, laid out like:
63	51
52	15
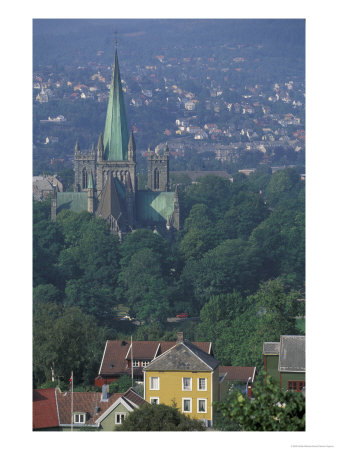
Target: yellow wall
170	390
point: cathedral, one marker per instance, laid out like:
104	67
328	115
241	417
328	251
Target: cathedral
105	178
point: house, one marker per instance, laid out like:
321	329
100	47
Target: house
45	416
284	361
96	410
242	378
186	376
121	357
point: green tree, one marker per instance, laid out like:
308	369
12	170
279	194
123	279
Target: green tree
46	293
271	410
65	339
159	418
143	288
122	385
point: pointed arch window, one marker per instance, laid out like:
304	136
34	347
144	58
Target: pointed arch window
156	178
84	179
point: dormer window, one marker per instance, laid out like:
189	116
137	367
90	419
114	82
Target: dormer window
136	363
79	417
145	363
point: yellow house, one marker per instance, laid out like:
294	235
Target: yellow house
185	376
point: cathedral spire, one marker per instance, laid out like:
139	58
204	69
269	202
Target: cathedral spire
116	136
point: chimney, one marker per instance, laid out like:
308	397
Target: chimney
180	336
104	395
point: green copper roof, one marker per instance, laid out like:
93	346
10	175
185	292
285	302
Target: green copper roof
154	206
116	136
75	201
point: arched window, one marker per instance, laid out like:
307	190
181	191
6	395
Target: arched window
156	179
84	179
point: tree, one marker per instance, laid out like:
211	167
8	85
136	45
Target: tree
159	418
46	293
143	288
122	385
233	264
65	339
271	410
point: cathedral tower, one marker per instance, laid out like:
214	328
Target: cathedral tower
158	170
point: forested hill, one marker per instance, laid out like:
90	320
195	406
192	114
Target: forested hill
237	264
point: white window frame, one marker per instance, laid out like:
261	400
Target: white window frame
119	414
81	415
150	381
206	405
183	387
198	384
136	363
190	400
145	363
154	398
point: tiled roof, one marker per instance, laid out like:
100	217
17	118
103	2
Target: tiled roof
132	397
237	373
83	402
271	348
114	361
184	356
44	409
292	354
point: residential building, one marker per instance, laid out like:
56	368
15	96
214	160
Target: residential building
242	378
122	357
96	411
186	376
284	361
45	415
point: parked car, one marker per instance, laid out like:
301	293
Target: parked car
182	316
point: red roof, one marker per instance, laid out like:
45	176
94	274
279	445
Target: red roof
117	353
83	402
237	373
44	409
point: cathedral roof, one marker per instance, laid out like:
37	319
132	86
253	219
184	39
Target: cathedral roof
112	200
154	206
116	136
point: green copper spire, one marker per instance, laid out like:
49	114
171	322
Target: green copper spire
116	136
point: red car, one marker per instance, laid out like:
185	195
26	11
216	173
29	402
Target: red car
182	315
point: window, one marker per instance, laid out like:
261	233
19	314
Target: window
145	363
202	384
119	418
154	400
296	385
136	363
186	384
156	179
84	179
186	405
202	405
154	383
79	418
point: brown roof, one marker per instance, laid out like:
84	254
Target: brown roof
132	397
91	404
237	373
84	402
116	354
44	409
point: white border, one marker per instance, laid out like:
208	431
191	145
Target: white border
186	398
